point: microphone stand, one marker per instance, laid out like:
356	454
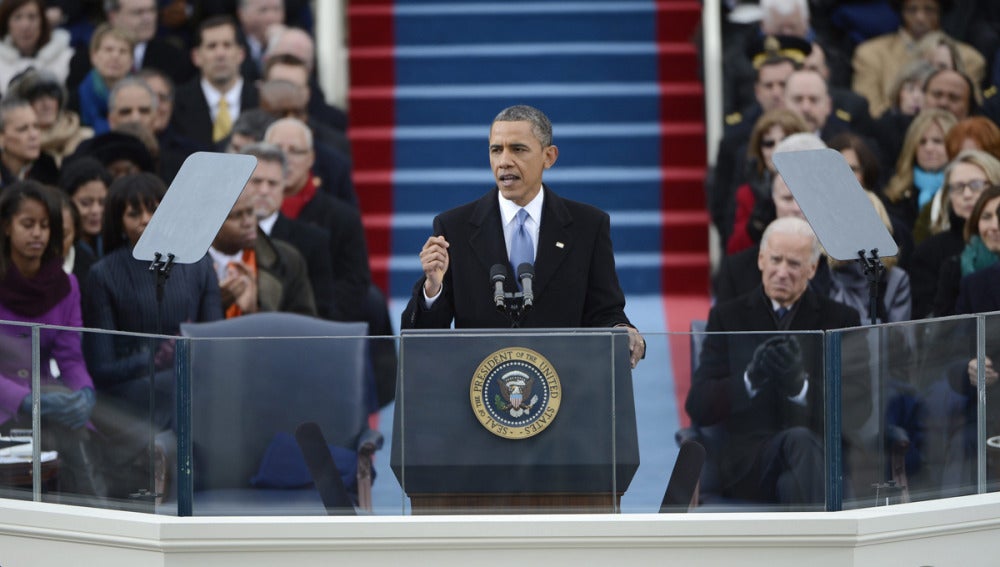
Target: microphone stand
887	492
874	269
514	308
161	269
514	304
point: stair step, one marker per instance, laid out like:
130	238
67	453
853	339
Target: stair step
682	102
680	189
686	274
579	145
478	104
684	189
479	64
631	231
678	20
460	23
638	273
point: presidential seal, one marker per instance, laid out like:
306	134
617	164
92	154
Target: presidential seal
515	393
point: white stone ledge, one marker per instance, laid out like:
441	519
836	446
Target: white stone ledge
960	531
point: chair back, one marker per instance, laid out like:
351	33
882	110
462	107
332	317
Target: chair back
284	370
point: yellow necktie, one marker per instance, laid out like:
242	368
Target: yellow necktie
223	122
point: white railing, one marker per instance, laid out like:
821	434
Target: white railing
712	72
331	50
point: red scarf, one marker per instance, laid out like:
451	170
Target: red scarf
292	206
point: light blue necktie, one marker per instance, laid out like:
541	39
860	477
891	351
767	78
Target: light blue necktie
521	248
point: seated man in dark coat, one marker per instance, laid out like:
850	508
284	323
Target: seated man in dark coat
257	273
768	389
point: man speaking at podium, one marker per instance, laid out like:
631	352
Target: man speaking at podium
483	245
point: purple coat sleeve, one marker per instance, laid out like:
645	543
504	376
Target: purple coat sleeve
66	345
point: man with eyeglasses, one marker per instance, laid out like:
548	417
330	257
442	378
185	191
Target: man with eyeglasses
284	99
306	202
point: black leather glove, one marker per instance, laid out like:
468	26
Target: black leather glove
71	409
778	361
77	413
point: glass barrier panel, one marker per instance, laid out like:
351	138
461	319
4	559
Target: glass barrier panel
92	447
915	444
755	402
590	434
522	421
250	399
130	429
657	417
944	459
988	390
16	445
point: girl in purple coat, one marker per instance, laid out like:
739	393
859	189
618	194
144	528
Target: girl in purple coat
35	289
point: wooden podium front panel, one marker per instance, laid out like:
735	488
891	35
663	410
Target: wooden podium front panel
431	504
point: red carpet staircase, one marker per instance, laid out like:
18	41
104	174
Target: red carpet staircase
618	78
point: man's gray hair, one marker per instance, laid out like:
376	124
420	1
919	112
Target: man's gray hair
784	7
540	125
295	122
267	152
800	142
7	105
792	226
131	81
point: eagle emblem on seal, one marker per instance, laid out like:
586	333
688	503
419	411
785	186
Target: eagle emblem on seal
515	388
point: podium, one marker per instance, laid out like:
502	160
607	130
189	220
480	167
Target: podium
514	420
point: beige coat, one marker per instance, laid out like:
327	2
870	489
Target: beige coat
65	135
878	61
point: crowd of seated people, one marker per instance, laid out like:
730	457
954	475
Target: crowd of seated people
907	91
100	104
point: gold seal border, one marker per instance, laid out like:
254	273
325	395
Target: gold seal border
519	354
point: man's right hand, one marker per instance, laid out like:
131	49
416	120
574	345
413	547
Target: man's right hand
779	361
434	261
989	373
239	287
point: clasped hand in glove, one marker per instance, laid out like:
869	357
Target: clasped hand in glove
777	361
71	409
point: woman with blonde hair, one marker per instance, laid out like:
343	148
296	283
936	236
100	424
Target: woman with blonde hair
966	178
973	133
981	250
920	166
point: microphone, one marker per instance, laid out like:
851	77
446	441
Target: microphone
525	273
498	274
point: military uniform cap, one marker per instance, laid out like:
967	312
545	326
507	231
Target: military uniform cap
789	47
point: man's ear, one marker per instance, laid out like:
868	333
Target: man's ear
812	270
551	155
